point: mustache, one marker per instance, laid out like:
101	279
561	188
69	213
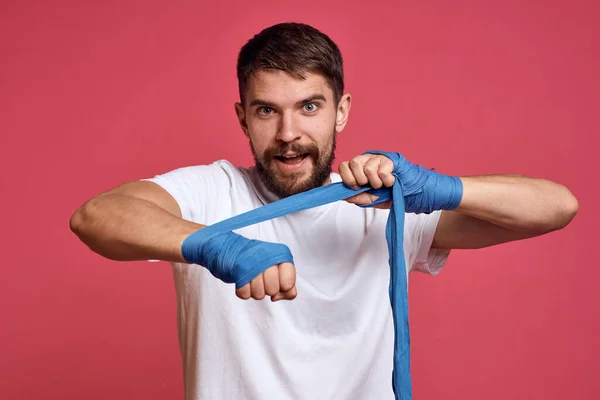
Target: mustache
311	149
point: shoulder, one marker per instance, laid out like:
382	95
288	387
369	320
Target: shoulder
220	174
198	189
218	169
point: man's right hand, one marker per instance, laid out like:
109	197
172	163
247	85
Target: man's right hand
277	281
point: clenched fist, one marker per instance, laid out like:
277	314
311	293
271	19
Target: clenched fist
277	281
367	169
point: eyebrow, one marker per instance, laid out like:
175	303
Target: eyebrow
264	103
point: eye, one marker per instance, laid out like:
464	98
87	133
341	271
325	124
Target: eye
265	110
310	107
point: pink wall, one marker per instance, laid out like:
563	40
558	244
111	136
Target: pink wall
93	94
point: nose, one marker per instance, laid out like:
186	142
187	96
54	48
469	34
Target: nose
288	128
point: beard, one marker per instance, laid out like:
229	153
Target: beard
285	185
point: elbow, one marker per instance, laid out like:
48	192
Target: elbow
81	219
76	222
565	211
568	210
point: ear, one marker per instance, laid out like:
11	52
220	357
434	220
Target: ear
343	110
241	115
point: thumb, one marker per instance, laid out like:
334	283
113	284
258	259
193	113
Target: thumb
362	198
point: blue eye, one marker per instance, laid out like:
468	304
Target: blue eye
310	107
265	110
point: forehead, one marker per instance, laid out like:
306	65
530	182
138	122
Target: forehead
284	89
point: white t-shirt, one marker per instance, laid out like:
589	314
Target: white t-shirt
335	340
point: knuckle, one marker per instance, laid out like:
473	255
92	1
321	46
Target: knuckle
370	168
355	163
363	180
286	284
258	296
271	290
348	179
243	295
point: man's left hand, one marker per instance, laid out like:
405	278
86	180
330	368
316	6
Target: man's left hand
367	169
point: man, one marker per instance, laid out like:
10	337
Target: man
335	339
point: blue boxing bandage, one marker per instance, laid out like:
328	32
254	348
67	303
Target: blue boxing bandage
236	259
233	258
424	190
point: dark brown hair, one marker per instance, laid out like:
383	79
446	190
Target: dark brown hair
296	49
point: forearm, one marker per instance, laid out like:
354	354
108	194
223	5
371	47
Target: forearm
518	203
126	228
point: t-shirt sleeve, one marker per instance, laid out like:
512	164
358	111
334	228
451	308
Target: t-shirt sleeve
196	189
425	258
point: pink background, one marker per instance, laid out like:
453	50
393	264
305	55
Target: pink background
93	94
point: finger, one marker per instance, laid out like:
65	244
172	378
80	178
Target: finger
271	280
388	179
386	171
356	166
384	205
362	198
243	292
287	276
346	175
290	294
257	287
277	297
371	170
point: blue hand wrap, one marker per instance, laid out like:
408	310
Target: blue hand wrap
424	190
235	259
231	257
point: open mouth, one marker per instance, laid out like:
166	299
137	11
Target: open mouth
292	159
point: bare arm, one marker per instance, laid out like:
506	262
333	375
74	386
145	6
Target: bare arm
135	221
142	221
501	208
494	209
